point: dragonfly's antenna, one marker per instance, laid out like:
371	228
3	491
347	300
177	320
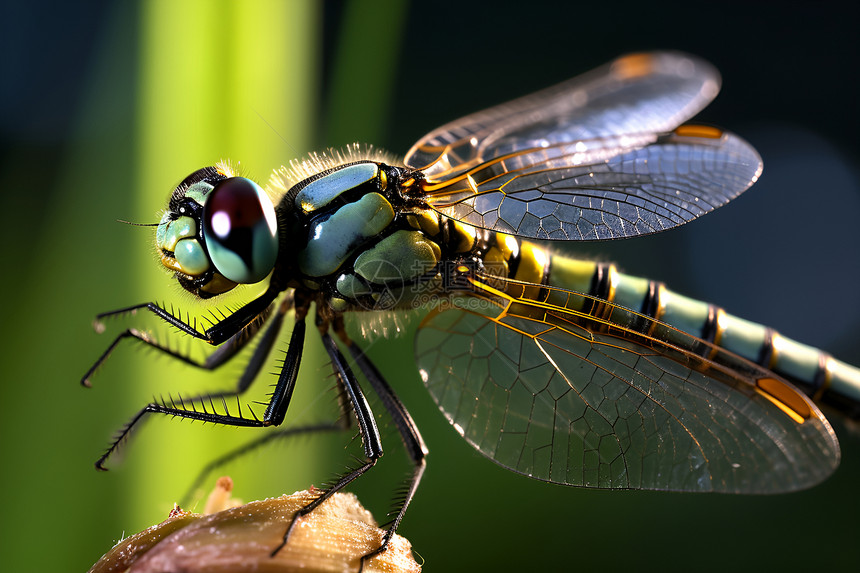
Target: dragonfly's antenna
293	149
138	224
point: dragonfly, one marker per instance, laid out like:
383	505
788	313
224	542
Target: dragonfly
560	369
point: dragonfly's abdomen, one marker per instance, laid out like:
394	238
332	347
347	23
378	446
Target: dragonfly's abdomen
817	373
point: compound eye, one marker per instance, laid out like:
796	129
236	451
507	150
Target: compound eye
240	230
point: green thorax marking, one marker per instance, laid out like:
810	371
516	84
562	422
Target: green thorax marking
334	238
320	192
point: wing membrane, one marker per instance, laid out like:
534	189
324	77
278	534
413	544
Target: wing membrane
602	189
635	94
595	157
552	393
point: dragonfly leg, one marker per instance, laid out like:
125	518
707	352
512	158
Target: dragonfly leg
284	434
218	332
231	328
275	411
367	428
222	354
412	440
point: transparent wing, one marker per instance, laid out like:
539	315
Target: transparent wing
635	94
602	189
592	158
556	394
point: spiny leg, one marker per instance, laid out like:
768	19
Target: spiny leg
255	363
284	434
219	357
275	411
229	329
342	423
367	428
412	440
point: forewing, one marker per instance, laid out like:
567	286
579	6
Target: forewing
602	189
635	94
549	392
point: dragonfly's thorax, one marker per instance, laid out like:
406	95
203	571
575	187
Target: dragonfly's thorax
359	236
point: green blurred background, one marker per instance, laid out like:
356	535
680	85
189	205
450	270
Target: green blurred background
105	106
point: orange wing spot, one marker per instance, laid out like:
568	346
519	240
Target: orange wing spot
705	131
790	401
633	66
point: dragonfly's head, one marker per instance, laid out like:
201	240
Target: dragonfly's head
219	230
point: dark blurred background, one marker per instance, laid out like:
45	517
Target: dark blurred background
104	106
